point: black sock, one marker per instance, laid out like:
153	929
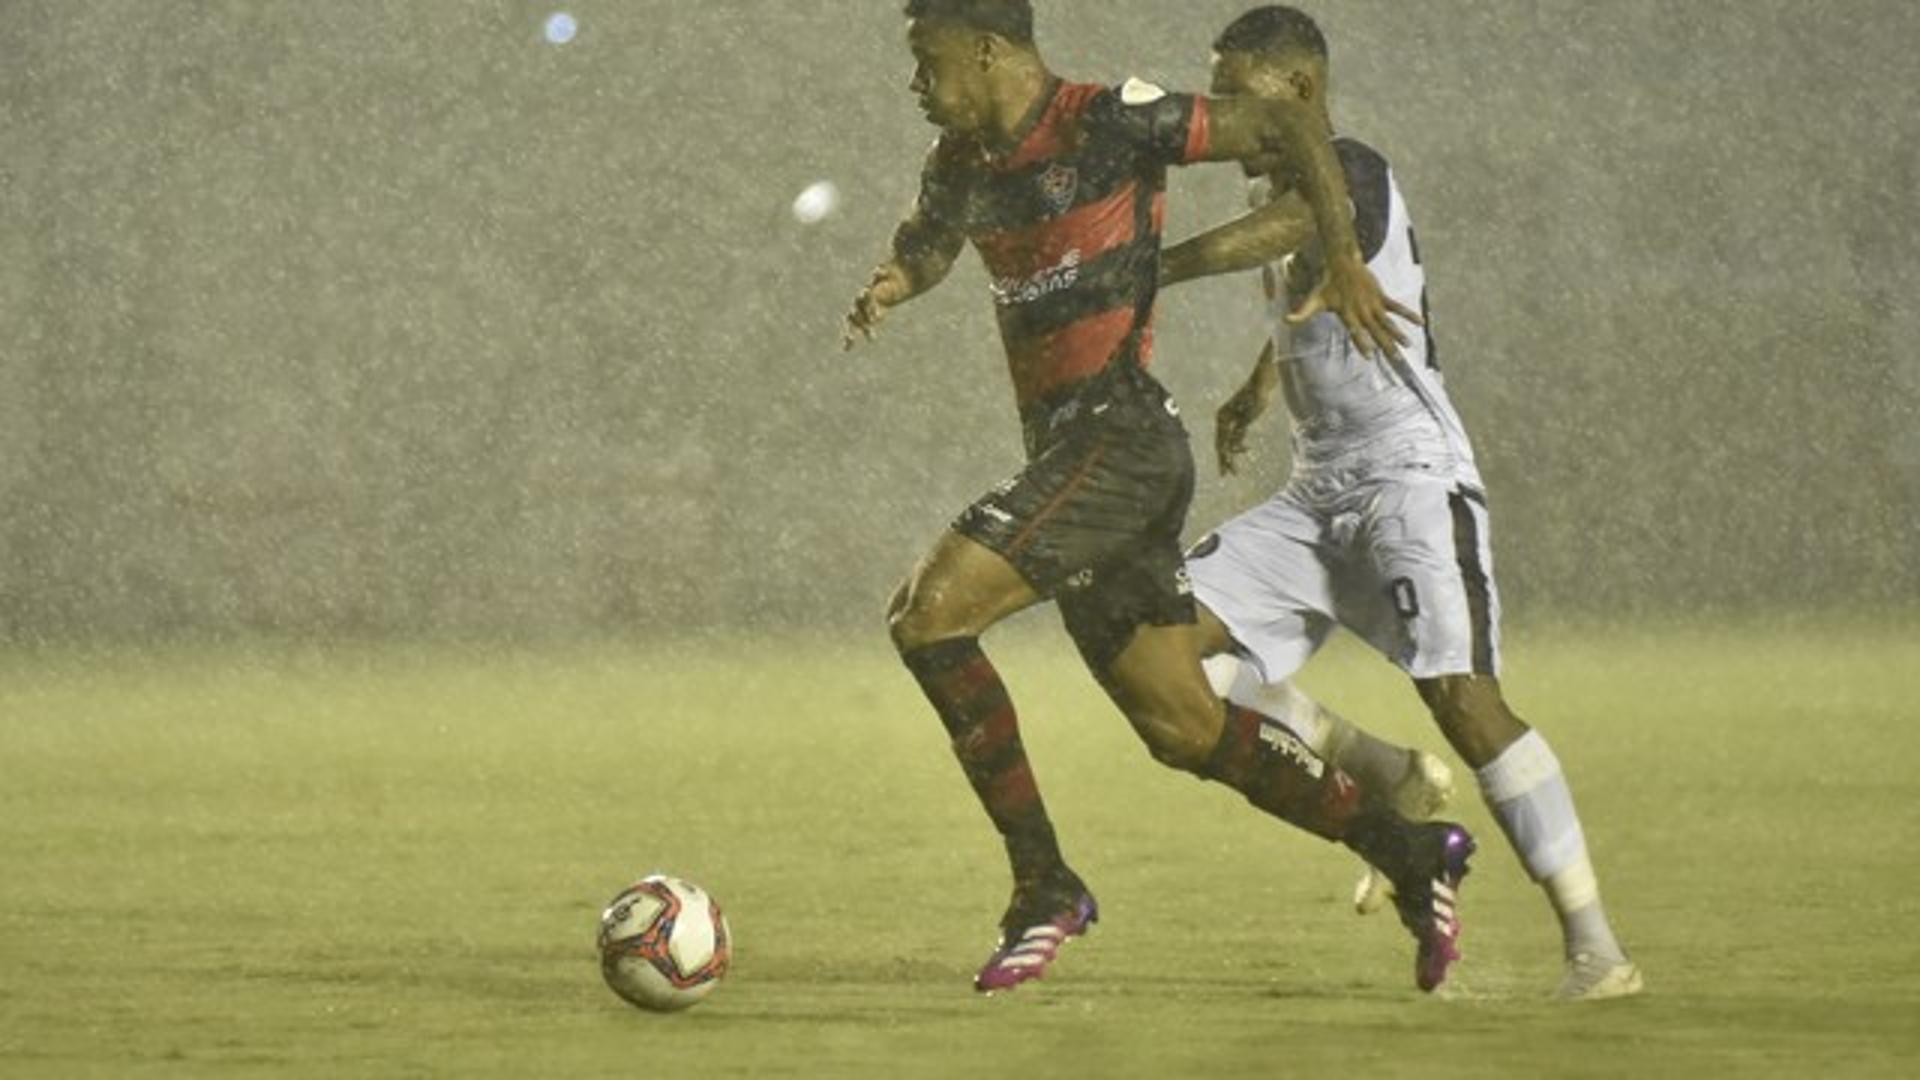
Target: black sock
973	705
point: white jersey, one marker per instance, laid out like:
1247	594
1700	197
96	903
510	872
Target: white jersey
1353	416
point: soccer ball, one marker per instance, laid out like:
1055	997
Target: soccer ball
663	943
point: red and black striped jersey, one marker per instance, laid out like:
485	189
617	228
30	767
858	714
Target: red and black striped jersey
1068	224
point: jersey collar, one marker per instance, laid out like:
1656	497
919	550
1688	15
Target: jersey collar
998	154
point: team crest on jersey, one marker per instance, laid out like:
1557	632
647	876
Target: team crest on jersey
1059	184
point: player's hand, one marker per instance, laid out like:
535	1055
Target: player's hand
1231	423
1230	426
886	288
1350	291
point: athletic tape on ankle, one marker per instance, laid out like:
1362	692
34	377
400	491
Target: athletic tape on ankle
1574	888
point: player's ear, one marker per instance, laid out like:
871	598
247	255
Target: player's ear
1303	85
987	51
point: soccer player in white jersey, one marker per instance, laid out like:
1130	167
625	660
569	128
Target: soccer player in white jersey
1383	526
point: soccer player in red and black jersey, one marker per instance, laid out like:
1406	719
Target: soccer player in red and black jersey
1060	188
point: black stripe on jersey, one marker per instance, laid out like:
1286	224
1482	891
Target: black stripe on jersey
1466	552
1426	327
1161	127
1426	310
1368	183
1017	199
1125	277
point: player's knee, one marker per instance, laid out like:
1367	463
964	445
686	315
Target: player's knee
916	620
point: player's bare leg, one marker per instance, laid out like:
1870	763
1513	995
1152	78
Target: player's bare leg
1523	785
1416	784
1158	683
956	593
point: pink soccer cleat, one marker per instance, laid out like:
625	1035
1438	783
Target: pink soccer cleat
1428	901
1027	948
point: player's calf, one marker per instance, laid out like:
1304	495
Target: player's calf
1424	862
1523	784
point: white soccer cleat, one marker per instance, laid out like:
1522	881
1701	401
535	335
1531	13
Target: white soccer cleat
1596	978
1372	892
1421	795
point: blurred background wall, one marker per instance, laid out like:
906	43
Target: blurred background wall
389	317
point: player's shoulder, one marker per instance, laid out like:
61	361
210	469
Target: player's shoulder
1134	93
1130	112
953	153
1361	159
1352	150
1370	182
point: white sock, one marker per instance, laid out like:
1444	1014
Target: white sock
1528	794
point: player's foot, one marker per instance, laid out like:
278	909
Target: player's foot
1032	933
1372	892
1422	793
1596	978
1425	790
1428	898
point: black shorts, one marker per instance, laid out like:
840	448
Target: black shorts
1094	520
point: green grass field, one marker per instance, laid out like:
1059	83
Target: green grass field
374	862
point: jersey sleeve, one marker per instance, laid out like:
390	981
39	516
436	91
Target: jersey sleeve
943	187
1163	127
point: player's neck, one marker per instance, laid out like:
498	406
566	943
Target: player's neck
1324	120
1017	106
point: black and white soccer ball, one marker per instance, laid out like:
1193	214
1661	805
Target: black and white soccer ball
664	945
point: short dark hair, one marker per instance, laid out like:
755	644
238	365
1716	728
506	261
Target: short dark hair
1272	30
1011	19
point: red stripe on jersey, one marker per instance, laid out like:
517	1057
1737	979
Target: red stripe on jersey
1199	131
1092	230
1049	136
1069	354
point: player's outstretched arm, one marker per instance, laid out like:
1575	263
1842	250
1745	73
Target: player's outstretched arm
923	252
1283	136
1264	236
1246	405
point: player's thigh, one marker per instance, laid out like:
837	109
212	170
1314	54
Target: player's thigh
960	588
1158	683
1266	578
1135	624
1211	637
1418	585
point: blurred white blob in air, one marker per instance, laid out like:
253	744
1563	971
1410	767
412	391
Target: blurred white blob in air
819	199
561	28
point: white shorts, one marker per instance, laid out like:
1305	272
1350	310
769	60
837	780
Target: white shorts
1401	559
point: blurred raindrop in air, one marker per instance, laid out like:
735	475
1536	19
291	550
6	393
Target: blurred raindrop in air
561	27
